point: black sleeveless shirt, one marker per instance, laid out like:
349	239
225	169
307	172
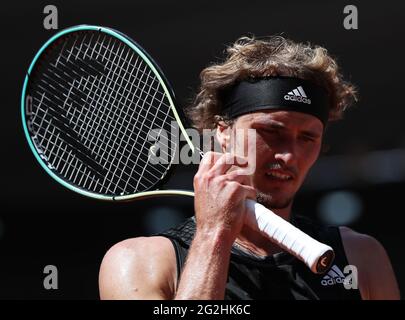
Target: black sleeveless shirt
279	276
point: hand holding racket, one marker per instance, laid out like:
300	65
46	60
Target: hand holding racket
89	102
222	184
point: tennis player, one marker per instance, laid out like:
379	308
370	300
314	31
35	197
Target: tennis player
288	92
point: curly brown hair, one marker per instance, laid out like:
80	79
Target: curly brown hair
272	56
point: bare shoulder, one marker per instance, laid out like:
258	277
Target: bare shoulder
357	241
375	273
139	268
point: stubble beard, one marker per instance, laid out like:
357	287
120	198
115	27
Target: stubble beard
270	202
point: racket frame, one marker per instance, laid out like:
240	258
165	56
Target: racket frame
165	85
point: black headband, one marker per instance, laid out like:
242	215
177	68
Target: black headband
276	93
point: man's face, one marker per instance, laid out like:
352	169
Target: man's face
287	145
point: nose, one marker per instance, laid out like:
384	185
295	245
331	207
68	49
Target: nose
287	157
286	154
285	150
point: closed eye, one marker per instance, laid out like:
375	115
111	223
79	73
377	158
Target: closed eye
270	131
308	138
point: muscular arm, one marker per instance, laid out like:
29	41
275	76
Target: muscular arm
375	274
205	272
219	203
142	268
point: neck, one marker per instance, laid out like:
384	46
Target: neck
257	242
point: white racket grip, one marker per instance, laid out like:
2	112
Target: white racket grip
316	255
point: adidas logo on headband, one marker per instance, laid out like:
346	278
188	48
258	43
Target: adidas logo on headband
298	94
277	93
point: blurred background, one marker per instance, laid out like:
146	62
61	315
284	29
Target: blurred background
359	182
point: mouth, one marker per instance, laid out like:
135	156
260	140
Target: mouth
278	175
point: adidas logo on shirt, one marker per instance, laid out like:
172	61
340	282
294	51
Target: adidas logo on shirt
334	276
298	94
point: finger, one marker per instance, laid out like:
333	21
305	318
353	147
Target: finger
240	191
239	175
226	161
250	192
208	161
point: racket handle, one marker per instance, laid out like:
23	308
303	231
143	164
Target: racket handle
316	255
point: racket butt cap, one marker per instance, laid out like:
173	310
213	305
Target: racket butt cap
324	262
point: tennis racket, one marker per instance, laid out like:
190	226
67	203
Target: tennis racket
90	99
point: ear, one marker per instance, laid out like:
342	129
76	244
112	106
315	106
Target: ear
223	135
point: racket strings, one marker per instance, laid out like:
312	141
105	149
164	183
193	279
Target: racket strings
125	120
46	147
140	80
111	126
98	131
47	141
151	87
153	79
144	100
64	171
115	94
